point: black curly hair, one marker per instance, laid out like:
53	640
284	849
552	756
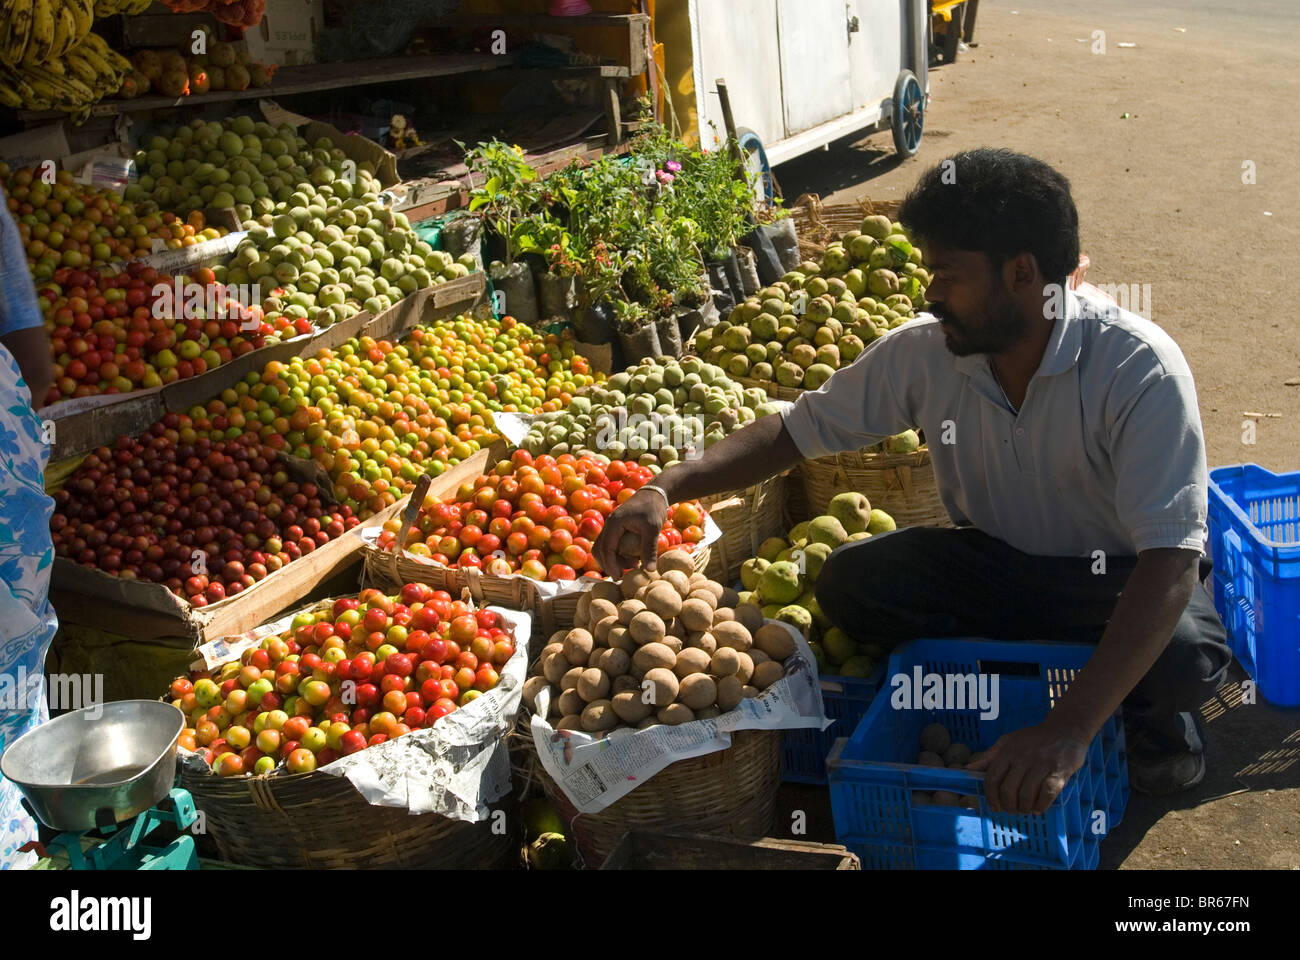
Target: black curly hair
1000	203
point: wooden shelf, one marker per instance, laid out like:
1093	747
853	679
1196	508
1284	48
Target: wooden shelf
310	78
543	21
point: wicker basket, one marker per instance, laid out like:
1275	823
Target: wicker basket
902	485
746	520
320	821
774	390
818	223
727	793
389	571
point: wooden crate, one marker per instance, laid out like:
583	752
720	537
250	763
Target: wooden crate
669	850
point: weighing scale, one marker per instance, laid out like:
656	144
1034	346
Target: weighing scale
98	781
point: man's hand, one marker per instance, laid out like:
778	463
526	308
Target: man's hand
642	515
1026	769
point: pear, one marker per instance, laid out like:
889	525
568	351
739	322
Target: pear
880	522
827	530
852	510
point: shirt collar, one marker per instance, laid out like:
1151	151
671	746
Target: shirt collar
1063	346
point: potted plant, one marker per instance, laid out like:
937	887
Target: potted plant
509	194
637	333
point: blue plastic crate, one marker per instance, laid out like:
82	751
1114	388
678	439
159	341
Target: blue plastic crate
1255	543
803	752
875	785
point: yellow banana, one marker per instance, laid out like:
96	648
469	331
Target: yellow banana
64	24
56	66
82	69
41	44
91	59
20	31
83	12
70	86
9	96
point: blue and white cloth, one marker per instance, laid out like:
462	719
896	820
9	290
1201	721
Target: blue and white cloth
27	621
19	309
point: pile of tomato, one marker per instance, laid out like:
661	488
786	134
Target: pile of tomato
538	517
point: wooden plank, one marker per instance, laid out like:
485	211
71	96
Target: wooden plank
613	113
543	21
309	78
651	849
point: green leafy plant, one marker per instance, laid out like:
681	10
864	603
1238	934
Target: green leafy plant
511	191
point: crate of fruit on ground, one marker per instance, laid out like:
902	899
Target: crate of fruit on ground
361	731
663	707
901	796
780	581
521	535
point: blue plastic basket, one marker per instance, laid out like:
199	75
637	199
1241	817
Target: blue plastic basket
1255	543
803	752
873	778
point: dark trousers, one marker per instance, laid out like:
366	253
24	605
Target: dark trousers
930	582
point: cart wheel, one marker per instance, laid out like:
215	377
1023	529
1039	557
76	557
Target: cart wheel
755	157
908	114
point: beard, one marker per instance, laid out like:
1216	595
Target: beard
1001	326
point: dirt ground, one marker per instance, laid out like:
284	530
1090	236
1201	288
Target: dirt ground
1162	201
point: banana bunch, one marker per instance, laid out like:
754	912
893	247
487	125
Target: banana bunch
107	8
34	32
82	76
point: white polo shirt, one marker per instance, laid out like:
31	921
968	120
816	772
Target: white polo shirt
1106	453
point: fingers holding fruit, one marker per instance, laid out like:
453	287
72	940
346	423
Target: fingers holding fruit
630	536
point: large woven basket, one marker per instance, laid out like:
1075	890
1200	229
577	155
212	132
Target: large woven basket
319	821
746	520
773	389
388	572
902	485
817	223
727	793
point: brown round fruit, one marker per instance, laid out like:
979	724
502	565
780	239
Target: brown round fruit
577	646
630	707
593	684
697	691
775	640
661	685
646	627
696	614
654	655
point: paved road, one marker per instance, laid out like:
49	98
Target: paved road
1161	201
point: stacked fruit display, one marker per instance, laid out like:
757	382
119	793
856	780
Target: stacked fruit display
658	412
59	70
320	240
68	224
537	517
206	520
799	331
124	332
236	13
668	647
346	676
377	414
180	74
781	580
38	31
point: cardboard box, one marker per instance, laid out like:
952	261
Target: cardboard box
358	148
35	146
287	34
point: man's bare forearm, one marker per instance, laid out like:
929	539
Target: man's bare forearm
1153	599
761	450
31	351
